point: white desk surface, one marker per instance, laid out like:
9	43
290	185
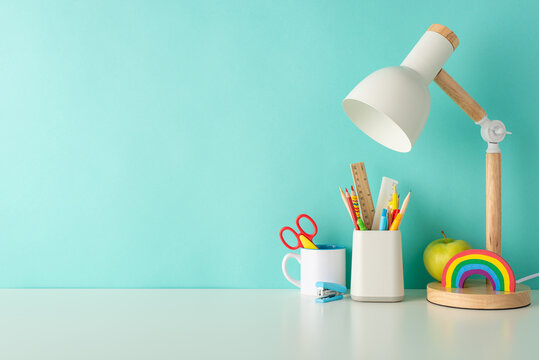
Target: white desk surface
253	324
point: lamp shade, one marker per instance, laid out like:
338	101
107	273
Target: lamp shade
392	104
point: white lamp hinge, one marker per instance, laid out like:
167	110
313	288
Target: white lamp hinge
493	132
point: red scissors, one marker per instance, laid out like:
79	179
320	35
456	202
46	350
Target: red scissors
304	240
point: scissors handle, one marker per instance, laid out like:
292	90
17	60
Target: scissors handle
295	234
302	232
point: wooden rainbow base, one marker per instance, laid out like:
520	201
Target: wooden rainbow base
477	294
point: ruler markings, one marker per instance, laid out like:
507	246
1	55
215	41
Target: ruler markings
364	196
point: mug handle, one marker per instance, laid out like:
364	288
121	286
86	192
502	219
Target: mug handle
285	272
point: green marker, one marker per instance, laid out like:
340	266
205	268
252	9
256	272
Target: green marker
361	224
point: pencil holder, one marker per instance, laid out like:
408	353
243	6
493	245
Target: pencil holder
377	266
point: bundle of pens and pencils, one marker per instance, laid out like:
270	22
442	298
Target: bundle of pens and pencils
388	215
392	216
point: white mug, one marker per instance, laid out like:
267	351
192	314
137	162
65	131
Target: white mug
327	263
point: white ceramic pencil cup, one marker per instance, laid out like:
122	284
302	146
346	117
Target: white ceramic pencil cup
377	266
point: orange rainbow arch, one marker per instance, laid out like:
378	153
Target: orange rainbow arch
483	262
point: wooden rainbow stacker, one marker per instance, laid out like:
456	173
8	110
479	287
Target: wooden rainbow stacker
499	292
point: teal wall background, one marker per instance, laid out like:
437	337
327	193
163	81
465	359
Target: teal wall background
164	144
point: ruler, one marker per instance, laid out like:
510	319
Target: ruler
363	193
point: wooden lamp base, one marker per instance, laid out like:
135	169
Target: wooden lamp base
477	294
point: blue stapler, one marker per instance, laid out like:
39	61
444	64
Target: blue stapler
327	291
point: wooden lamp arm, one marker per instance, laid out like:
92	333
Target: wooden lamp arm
494	161
459	96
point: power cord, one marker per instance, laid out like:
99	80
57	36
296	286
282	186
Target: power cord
526	278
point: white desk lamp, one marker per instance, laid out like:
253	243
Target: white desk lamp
392	105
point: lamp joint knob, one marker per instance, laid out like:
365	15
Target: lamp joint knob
492	131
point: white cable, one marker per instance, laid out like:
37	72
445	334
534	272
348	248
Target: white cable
526	278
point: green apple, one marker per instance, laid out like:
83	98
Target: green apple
438	253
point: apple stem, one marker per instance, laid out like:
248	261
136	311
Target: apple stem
444	236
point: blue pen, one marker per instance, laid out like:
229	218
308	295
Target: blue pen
383	220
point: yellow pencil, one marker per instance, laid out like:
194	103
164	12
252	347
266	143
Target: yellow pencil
395	198
355	203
